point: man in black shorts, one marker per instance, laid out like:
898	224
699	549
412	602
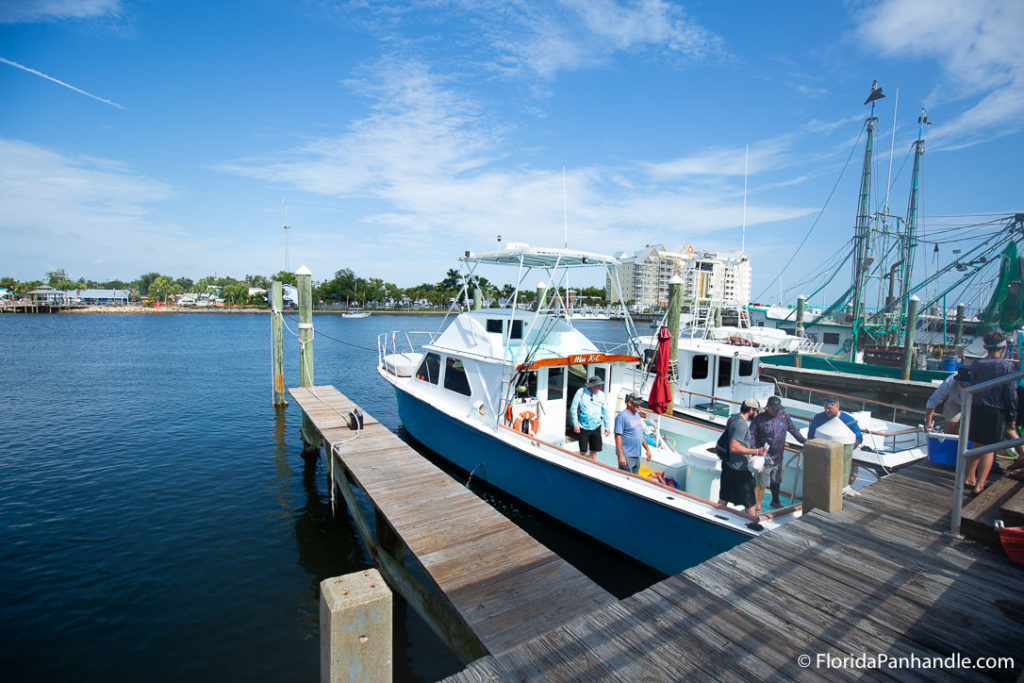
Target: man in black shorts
737	484
993	411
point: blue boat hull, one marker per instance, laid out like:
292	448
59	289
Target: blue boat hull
659	536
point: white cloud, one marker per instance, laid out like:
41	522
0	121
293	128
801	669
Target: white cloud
28	11
544	38
76	211
429	156
978	45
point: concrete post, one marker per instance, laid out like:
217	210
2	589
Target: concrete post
959	328
304	277
801	305
908	336
355	628
823	475
277	342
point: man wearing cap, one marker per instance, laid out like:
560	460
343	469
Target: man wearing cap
629	436
589	410
737	484
831	412
769	429
993	411
950	395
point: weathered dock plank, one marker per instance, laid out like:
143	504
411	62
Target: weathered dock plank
507	587
878	578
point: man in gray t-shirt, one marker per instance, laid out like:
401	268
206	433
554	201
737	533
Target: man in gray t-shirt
737	483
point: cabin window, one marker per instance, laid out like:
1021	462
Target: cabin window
760	323
724	371
494	326
700	367
517	329
430	368
788	330
830	337
556	382
455	377
600	372
746	368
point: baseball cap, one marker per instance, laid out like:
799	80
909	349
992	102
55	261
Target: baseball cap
751	403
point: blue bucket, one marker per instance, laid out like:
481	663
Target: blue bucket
950	364
942	451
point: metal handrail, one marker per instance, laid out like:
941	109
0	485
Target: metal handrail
962	452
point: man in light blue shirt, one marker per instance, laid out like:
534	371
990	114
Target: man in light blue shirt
589	410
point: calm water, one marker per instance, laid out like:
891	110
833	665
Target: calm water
157	520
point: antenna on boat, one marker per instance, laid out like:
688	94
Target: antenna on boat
565	210
743	230
892	150
285	202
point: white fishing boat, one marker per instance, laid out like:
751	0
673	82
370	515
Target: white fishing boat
355	314
719	367
490	390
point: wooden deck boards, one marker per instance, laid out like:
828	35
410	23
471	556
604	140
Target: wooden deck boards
508	588
878	577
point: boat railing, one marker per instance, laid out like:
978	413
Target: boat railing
864	402
962	452
897	444
396	341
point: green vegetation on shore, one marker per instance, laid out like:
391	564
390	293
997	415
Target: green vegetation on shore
345	289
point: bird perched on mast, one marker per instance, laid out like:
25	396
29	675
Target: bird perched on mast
876	93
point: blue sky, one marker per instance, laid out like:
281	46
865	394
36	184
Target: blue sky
153	135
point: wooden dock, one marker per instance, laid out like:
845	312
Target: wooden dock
495	587
879	579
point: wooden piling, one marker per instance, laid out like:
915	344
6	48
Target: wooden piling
277	342
908	337
478	299
356	628
675	305
305	291
959	329
801	305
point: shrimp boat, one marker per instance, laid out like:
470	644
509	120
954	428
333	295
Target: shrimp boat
490	390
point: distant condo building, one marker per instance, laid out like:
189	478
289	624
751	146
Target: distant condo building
723	278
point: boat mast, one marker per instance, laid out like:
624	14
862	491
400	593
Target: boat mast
907	244
862	233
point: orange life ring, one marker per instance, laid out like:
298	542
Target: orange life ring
689	250
533	424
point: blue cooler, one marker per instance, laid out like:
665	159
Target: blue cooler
942	450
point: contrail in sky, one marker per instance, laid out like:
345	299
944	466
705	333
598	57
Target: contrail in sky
59	82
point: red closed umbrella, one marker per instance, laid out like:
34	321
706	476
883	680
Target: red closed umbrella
660	399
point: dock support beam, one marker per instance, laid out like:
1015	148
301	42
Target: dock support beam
801	304
355	628
823	475
277	342
908	336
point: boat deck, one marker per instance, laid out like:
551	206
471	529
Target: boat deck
505	586
879	578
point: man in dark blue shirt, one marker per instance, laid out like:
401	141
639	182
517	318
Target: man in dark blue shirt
831	412
769	429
